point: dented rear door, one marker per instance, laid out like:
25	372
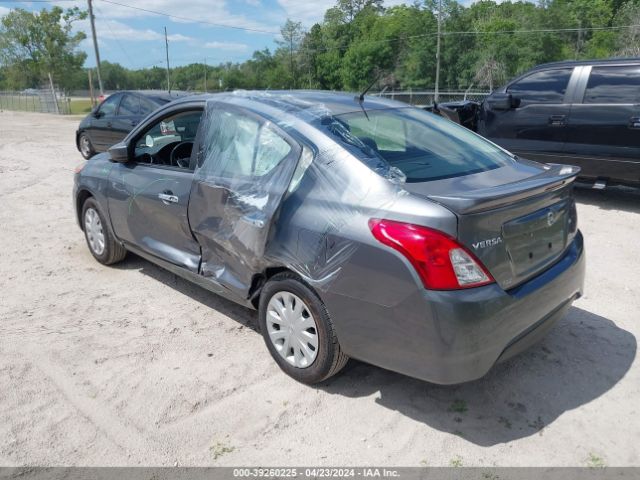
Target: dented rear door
244	168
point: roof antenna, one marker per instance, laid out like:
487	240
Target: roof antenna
360	98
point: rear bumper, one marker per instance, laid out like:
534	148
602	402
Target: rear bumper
450	337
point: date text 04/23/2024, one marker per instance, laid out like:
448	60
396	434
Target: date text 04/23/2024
315	473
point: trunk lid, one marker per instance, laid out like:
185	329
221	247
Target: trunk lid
517	220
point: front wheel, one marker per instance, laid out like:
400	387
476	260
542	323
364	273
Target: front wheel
101	242
298	331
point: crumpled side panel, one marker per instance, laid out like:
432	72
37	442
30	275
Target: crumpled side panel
303	204
328	214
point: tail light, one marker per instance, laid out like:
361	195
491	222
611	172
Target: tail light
441	262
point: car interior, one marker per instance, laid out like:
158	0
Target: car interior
170	141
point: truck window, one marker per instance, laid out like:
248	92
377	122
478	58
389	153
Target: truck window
613	85
547	86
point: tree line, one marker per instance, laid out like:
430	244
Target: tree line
358	41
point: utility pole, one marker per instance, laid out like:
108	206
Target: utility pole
91	94
166	44
205	74
436	93
95	46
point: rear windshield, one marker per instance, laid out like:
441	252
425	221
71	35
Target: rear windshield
421	145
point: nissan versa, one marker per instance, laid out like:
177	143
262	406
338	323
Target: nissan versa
357	227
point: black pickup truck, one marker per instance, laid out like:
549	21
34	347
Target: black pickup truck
584	113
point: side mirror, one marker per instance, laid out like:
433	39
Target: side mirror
96	113
119	152
502	101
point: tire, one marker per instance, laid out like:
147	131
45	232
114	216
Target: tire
95	229
329	358
85	146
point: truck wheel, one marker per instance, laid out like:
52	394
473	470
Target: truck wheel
298	331
102	244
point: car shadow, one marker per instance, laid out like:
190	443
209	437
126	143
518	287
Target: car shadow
239	313
612	198
583	357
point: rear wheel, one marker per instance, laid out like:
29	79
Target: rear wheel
101	242
85	146
298	331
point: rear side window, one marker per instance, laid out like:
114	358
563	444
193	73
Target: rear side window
548	86
238	145
130	105
146	106
613	85
419	144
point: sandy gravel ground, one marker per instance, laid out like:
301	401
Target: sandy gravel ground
131	365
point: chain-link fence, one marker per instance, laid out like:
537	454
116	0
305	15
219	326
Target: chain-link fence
425	98
41	100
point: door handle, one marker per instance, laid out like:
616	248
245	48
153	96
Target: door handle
257	220
634	122
168	197
108	124
558	120
134	123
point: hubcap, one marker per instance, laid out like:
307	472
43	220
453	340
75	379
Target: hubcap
292	329
93	229
84	145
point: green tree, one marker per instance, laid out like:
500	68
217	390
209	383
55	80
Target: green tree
627	43
292	36
34	45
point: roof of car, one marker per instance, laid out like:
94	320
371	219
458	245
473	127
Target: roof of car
579	63
159	94
301	101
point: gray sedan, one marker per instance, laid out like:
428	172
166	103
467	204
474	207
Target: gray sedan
357	227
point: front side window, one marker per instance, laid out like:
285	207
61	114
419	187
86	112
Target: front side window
422	146
109	105
548	86
237	145
613	85
169	142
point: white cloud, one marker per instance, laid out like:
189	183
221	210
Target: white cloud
115	30
4	11
310	12
307	12
228	46
178	37
212	11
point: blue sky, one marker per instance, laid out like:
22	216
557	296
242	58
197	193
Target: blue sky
135	38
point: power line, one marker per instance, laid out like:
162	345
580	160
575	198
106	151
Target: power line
472	32
189	19
155	12
115	37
